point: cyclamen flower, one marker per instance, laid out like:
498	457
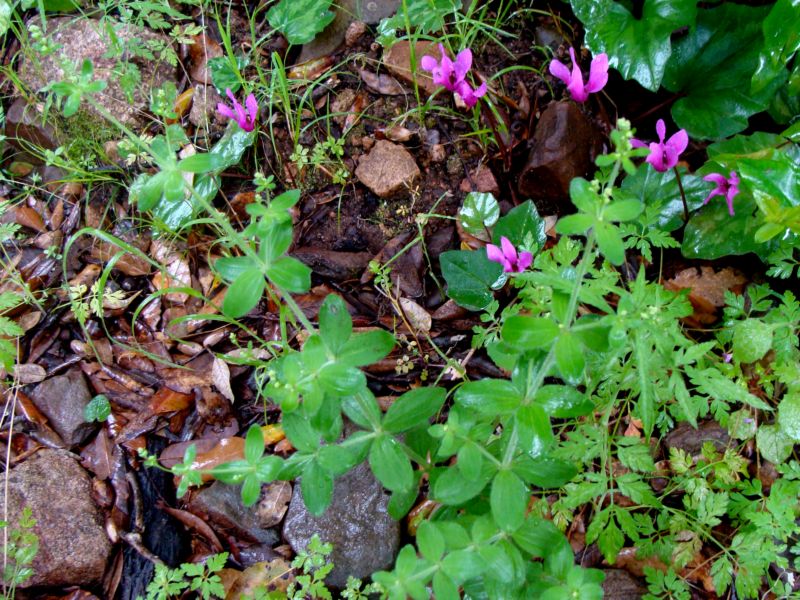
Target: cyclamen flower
245	118
598	76
508	257
452	75
727	187
664	155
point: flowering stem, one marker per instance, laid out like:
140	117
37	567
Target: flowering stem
683	195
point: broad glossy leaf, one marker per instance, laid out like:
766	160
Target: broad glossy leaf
752	339
413	408
470	277
366	348
299	431
232	145
231	267
489	396
545	472
569	358
479	212
290	274
317	488
470	461
712	69
335	324
523	226
362	409
390	464
300	20
223	75
539	537
623	210
451	488
341	379
781	29
534	431
244	293
253	444
712	233
202	163
563	401
529	333
430	541
637	48
508	499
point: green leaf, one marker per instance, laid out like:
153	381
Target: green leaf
637	48
479	212
430	541
366	348
223	75
201	163
711	69
489	396
780	29
509	500
539	538
335	324
569	358
317	488
244	293
413	408
610	243
390	464
636	456
789	415
253	444
623	210
462	565
470	277
535	432
444	588
289	274
231	267
712	233
544	471
300	20
341	379
563	401
529	333
610	541
362	409
232	145
98	409
470	461
752	339
451	488
251	489
523	226
773	444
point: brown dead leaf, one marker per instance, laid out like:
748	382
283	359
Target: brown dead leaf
25	216
182	104
221	377
708	289
311	69
200	52
128	264
381	84
273	503
167	400
274	576
98	457
418	317
29	373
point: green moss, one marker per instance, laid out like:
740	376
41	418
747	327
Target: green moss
84	137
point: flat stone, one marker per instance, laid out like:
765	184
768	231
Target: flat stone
364	537
564	146
81	39
62	400
397	60
332	264
73	545
480	180
222	505
388	170
691	440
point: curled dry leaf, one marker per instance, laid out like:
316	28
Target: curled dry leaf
273	503
221	377
29	373
708	289
274	576
418	317
381	84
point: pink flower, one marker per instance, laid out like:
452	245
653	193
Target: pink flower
512	263
452	75
598	76
246	119
725	187
664	155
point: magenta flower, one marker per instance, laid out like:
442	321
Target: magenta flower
725	187
598	76
453	75
512	263
245	118
664	155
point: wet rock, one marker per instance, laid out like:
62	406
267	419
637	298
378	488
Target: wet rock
73	546
204	107
388	170
332	264
481	180
397	60
221	504
564	147
691	440
62	400
81	39
347	12
364	537
621	585
24	124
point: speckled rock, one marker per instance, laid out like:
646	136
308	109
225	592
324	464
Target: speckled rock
81	39
388	170
62	399
364	537
73	546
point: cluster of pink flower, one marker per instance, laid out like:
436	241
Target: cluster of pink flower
452	75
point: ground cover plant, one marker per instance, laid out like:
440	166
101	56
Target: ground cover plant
427	299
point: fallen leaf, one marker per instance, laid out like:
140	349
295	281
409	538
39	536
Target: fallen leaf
272	576
200	52
708	289
221	377
418	317
381	84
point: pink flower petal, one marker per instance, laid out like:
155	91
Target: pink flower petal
598	73
656	157
428	63
661	130
252	107
638	143
494	254
678	141
559	70
715	178
508	249
525	260
463	64
226	111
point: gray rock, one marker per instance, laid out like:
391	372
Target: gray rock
388	170
62	399
222	505
83	38
364	537
564	147
691	440
73	546
621	585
